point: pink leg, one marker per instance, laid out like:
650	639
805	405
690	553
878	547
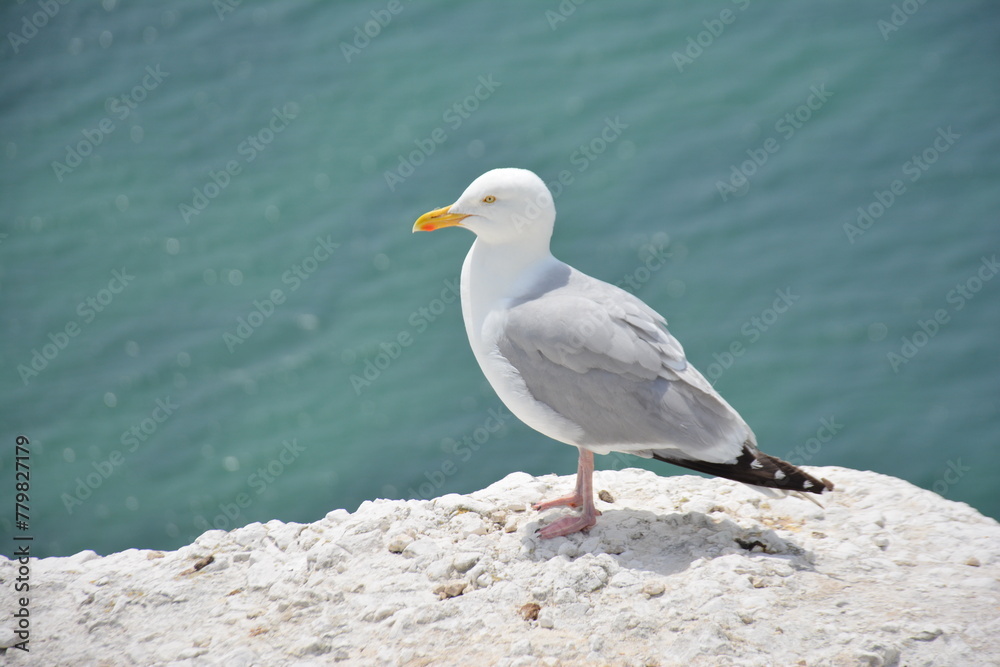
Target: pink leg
584	495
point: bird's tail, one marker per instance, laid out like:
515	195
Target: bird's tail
757	469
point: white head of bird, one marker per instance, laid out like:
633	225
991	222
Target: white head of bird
503	206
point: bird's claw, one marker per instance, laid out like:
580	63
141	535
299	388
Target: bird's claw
567	526
566	501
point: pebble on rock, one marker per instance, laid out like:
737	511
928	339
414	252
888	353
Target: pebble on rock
529	612
450	589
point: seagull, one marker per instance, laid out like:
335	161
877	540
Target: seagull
585	362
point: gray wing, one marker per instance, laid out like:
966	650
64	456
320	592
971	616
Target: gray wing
604	360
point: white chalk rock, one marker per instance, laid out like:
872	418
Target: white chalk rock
678	571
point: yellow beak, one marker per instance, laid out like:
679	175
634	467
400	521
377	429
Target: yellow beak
437	219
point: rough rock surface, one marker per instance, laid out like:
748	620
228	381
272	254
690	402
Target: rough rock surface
677	571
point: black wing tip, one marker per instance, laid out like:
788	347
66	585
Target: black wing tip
759	469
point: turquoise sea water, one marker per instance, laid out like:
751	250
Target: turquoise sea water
214	312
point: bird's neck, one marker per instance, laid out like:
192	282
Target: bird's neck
495	260
494	273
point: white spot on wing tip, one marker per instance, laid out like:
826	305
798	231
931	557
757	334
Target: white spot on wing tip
807	484
779	475
756	465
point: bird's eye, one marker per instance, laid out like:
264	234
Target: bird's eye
489	199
